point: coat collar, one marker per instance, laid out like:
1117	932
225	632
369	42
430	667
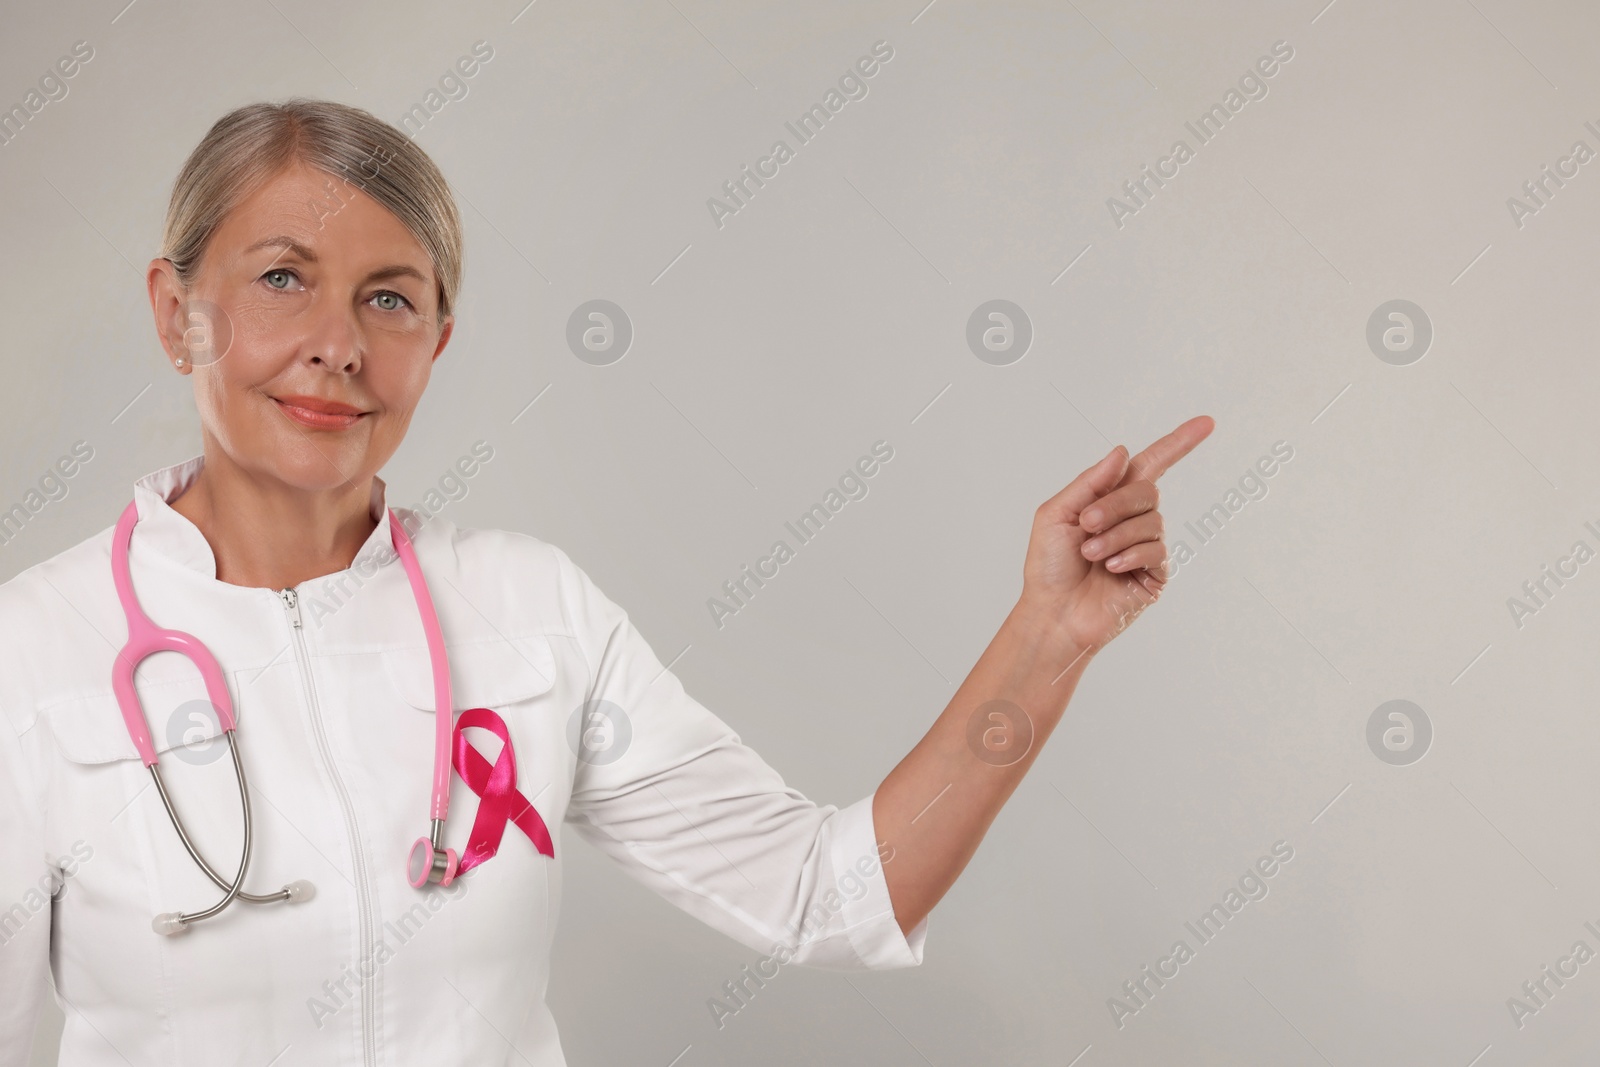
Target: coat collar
164	531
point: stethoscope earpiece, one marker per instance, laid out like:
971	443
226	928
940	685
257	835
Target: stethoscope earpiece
172	923
169	924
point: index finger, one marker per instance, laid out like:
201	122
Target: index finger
1153	462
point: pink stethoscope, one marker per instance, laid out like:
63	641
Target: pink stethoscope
428	861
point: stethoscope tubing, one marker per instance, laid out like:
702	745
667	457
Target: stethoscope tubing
232	889
440	805
144	639
439	863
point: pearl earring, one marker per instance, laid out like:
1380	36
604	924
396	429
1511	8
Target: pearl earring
179	362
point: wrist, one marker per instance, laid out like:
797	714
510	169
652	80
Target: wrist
1044	627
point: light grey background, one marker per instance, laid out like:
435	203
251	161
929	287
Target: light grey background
831	312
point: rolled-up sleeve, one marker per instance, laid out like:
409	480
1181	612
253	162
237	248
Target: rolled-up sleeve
25	888
682	805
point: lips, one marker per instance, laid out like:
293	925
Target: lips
319	413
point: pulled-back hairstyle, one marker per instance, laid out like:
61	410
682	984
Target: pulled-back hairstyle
251	144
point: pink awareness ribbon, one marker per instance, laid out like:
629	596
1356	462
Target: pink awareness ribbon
499	799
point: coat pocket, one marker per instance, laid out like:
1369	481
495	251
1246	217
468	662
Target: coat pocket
90	728
510	920
487	674
517	680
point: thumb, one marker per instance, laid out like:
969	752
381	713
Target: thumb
1086	488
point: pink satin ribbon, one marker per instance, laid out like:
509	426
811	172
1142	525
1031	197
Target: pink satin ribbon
499	800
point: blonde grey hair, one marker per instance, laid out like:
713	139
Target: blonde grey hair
252	144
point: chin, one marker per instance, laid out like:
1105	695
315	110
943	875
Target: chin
317	460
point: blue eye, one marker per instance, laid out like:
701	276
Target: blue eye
275	273
386	294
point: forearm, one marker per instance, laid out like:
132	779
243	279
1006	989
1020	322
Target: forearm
935	806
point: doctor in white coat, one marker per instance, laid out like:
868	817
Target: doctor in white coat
311	258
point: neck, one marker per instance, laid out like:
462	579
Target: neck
264	533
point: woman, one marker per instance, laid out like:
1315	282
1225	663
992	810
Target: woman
311	259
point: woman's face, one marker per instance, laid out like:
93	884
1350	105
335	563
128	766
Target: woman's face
311	331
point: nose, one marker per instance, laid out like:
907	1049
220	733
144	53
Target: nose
334	339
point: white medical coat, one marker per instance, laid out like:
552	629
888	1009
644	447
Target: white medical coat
336	730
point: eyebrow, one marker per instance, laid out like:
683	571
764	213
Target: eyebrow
295	248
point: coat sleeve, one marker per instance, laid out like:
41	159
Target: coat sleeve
686	808
26	885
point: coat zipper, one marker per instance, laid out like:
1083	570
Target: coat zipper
291	604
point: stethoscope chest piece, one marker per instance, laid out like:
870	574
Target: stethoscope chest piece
430	863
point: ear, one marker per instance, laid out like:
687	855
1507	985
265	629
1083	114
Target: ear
444	336
166	302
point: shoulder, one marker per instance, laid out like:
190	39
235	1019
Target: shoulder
530	583
67	597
